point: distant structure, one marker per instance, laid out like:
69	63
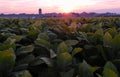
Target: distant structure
59	15
40	11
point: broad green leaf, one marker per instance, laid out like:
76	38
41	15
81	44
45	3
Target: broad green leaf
86	27
62	47
85	70
102	52
9	43
112	31
99	32
25	49
71	42
110	65
43	43
115	42
97	37
83	35
43	36
64	59
110	70
41	60
107	39
17	37
76	50
7	61
109	73
33	32
67	74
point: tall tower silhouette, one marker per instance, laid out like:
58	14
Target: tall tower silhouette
40	11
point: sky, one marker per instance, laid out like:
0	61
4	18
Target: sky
59	6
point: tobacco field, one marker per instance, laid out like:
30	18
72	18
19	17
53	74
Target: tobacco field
60	47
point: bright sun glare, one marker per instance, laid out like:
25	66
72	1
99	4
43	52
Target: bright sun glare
71	6
67	9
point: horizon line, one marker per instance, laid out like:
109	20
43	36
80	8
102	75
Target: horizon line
64	12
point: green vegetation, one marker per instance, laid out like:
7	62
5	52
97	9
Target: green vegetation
54	47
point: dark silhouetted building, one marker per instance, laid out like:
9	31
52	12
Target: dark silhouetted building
40	11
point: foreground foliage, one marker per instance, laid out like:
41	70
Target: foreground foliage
74	47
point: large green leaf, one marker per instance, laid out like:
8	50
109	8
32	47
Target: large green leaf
110	70
41	60
25	49
107	39
99	32
17	37
8	43
97	37
112	31
110	65
64	59
7	61
43	43
109	73
76	50
83	36
101	51
43	36
85	70
62	47
115	42
33	32
71	42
